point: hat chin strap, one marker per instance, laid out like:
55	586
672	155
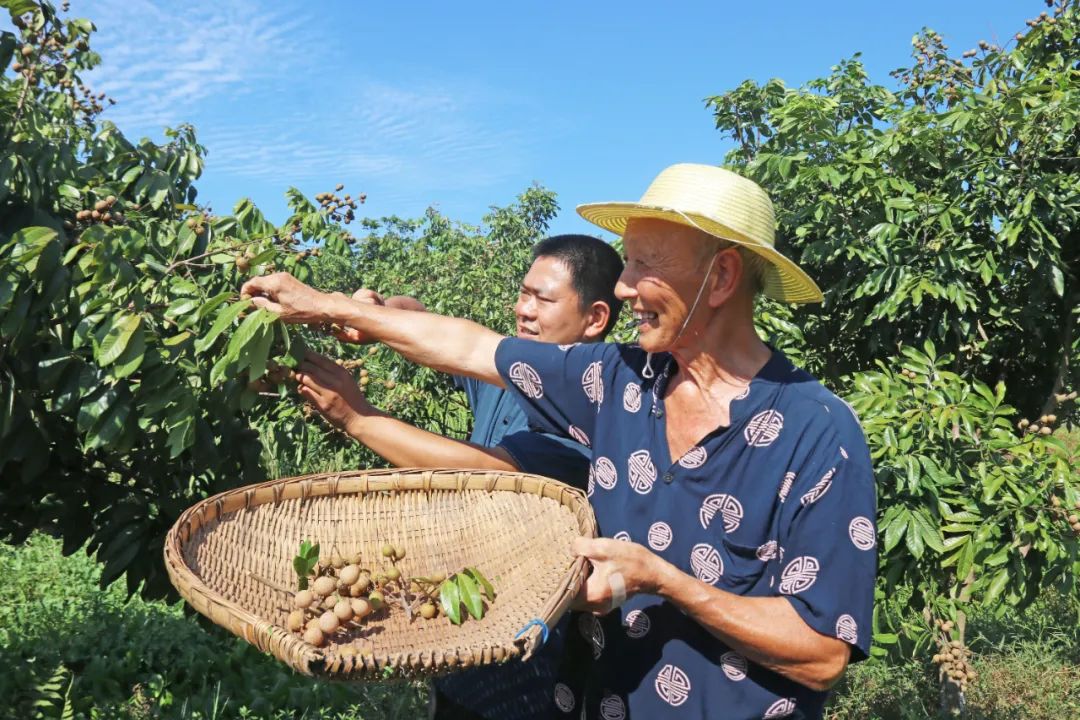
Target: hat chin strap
647	372
697	299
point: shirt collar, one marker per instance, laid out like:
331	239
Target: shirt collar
776	372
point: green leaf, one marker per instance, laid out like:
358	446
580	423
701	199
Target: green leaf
132	357
19	7
154	186
470	595
450	599
247	340
489	589
116	340
223	320
1057	280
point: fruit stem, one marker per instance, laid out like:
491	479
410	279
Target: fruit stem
269	583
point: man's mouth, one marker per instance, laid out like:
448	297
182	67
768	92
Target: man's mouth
527	332
644	318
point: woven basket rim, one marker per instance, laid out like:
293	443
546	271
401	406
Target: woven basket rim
310	660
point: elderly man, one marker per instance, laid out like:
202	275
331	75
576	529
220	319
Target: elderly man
735	492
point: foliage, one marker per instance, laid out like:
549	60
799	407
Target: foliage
948	209
454	269
126	357
967	514
62	639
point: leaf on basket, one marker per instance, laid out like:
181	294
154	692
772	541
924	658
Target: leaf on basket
300	566
450	598
489	589
470	595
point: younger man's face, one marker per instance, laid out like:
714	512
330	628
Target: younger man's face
548	308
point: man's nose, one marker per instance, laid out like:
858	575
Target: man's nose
625	285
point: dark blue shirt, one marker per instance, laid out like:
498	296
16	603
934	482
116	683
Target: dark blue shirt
500	421
780	502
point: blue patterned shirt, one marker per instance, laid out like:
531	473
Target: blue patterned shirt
780	502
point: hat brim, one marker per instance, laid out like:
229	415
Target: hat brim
788	282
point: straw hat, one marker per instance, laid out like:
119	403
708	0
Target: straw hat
722	204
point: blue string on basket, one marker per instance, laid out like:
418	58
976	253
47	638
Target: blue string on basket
543	629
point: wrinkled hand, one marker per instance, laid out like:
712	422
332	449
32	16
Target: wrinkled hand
286	296
332	390
352	335
639	567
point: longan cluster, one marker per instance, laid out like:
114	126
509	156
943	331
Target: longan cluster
952	658
197	223
909	374
50	52
342	594
1042	426
340	209
1073	518
104	212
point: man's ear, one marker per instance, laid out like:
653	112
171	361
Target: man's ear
727	267
597	315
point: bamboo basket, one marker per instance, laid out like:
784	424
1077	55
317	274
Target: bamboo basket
230	556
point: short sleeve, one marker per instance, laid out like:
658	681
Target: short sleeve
561	387
829	554
549	455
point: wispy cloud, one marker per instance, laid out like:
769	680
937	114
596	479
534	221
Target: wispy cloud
277	104
164	60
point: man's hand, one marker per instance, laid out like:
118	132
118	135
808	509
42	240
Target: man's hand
290	299
333	391
618	568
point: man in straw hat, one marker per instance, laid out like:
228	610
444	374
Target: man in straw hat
735	493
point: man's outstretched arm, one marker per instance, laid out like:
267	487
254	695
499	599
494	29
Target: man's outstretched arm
442	343
334	393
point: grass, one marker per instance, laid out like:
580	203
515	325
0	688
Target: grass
65	642
115	657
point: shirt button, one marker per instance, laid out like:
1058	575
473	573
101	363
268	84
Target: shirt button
506	421
659	413
668	477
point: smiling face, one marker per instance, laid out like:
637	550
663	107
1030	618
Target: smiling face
548	307
666	264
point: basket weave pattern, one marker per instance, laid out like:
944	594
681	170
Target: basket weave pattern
230	557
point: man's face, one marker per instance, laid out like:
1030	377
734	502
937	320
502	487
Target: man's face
664	269
548	308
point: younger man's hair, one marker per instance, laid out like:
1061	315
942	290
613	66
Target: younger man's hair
594	268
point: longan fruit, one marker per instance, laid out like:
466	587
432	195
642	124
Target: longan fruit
376	600
372	350
355	558
295	621
349	574
329	622
393	574
314	636
438	577
389	384
344	611
387	551
399	552
336	561
324	586
1073	519
303	599
242	263
330	601
427	611
361	608
362	583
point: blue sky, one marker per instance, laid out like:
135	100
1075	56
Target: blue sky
463	105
